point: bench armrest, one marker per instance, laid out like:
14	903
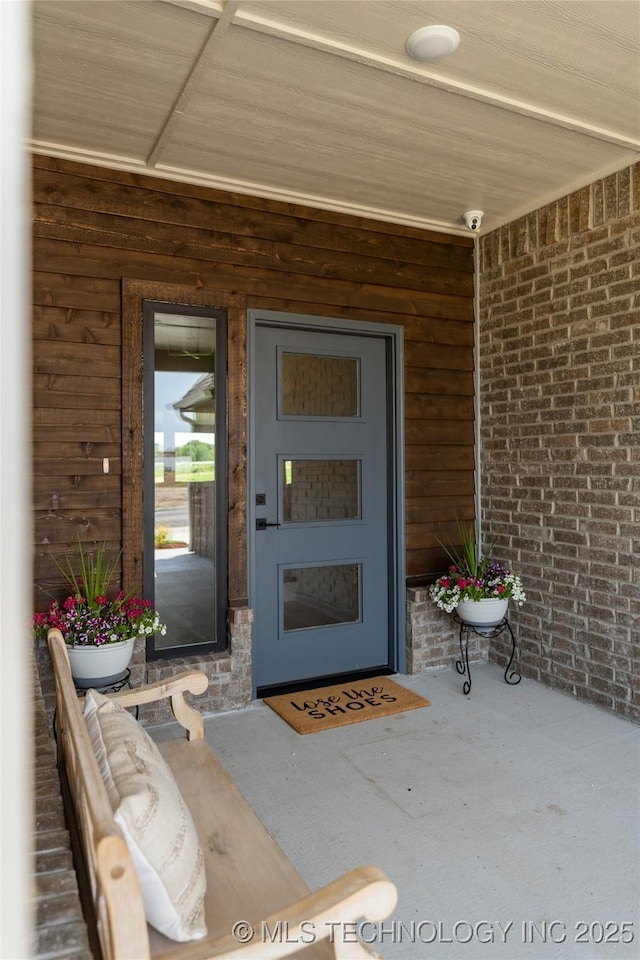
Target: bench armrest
364	892
173	689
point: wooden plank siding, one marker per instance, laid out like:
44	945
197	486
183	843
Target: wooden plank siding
95	230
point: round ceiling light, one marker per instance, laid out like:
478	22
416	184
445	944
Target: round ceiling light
432	43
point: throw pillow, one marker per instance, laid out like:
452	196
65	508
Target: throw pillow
153	817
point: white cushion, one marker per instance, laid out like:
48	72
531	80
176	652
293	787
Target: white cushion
153	817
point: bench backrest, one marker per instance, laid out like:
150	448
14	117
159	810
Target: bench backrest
114	889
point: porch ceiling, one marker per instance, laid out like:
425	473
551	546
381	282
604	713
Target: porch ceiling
316	101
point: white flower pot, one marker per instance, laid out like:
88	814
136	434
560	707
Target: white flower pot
100	666
482	613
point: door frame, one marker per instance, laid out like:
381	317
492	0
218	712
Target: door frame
394	340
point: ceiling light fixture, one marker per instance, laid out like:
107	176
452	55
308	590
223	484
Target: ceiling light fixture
432	43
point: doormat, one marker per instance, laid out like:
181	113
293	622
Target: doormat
312	711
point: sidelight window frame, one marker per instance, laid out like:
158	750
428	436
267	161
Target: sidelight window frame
150	309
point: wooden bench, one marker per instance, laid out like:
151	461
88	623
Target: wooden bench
249	878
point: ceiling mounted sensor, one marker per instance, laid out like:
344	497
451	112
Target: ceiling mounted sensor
432	43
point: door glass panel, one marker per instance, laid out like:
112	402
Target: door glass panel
314	385
184	478
316	490
320	596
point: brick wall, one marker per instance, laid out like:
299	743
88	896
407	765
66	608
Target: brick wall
433	637
59	930
559	389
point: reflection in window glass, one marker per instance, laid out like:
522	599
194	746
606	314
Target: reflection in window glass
320	596
184	478
316	490
319	386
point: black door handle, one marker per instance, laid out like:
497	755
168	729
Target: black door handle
261	524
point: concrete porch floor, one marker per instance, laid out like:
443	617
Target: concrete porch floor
508	819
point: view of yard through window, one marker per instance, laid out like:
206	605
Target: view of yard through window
184	464
193	461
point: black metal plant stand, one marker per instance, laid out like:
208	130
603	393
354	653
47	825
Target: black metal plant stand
116	683
462	665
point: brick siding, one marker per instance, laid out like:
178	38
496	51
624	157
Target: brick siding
433	637
59	928
559	389
229	673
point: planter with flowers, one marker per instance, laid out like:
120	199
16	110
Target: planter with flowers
477	587
100	631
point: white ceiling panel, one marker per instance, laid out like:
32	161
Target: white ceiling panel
537	51
318	102
106	72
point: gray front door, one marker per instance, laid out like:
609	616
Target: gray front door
321	540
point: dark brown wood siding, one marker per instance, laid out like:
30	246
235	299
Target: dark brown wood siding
95	228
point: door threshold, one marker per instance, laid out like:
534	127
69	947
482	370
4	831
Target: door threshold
282	689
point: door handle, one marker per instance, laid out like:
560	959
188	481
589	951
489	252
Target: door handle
261	524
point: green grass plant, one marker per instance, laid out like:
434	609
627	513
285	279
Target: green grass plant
96	572
469	559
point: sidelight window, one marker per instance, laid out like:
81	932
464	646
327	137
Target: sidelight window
184	470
